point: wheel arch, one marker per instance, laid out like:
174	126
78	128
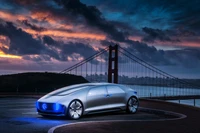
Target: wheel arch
67	110
128	101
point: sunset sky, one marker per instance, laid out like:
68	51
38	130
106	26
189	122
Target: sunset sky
51	35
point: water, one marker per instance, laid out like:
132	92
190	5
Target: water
154	91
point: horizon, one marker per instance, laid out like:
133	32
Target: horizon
56	72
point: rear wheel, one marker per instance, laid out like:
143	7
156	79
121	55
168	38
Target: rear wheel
132	105
75	110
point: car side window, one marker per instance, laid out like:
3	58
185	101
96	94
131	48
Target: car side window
114	90
97	91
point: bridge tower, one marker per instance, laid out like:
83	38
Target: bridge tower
113	64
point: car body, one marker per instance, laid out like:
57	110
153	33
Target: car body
81	99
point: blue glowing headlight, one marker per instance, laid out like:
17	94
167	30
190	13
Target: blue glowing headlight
57	107
37	105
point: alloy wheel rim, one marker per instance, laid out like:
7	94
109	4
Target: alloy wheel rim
133	105
75	109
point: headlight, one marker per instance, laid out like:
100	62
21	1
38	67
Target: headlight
37	104
57	107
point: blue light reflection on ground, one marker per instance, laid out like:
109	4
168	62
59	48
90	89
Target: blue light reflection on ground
39	120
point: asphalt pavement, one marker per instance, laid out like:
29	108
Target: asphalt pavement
18	115
189	124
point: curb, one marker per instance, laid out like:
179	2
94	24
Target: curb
149	110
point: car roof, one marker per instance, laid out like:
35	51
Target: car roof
95	84
83	85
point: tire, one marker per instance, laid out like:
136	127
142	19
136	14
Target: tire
132	105
75	110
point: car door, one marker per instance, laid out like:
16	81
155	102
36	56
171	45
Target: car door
116	96
97	98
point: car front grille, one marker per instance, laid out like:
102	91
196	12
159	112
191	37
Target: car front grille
49	108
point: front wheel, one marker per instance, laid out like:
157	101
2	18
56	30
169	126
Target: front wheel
132	105
75	110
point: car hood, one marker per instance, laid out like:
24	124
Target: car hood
57	95
50	99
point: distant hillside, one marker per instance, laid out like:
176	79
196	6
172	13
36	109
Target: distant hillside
37	82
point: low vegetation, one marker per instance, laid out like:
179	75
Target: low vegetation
37	82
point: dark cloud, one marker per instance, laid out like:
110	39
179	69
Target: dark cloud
32	26
70	48
181	32
107	43
21	43
48	40
93	17
188	57
37	58
79	48
73	11
156	14
157	34
27	2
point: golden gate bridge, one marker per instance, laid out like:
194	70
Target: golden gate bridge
115	64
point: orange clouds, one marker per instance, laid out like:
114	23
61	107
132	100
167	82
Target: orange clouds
49	18
135	38
3	55
54	24
39	16
190	44
58	33
183	43
3	40
11	17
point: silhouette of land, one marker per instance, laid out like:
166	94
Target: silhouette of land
37	82
47	82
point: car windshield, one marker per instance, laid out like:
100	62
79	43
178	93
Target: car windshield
68	89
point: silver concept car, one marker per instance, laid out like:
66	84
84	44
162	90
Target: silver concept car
77	100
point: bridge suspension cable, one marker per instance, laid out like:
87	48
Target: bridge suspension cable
151	67
86	60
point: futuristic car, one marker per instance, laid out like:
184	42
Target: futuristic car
77	100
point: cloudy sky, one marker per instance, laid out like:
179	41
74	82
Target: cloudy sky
51	35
